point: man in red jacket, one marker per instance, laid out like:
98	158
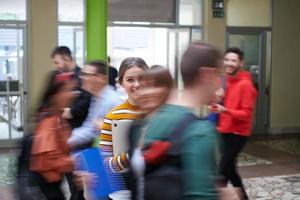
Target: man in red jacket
236	115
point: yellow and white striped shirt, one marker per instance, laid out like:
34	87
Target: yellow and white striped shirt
125	111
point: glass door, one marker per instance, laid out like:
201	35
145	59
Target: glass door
11	85
254	43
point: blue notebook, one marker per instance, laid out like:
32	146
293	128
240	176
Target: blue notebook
90	160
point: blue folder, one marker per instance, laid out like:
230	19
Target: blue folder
90	160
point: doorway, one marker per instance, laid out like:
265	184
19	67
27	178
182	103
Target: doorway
255	42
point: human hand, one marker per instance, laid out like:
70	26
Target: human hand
67	113
220	93
84	179
217	108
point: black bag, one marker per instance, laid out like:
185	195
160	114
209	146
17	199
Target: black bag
164	181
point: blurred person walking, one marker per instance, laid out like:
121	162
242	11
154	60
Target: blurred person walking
50	152
94	81
117	162
156	86
236	115
76	113
179	147
104	99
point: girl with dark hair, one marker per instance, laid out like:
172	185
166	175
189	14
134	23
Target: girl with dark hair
50	153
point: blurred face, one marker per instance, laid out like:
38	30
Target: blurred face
232	63
152	96
130	82
62	63
58	62
65	95
91	80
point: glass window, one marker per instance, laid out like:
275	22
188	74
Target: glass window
190	12
72	37
147	43
11	54
11	79
196	34
13	10
71	10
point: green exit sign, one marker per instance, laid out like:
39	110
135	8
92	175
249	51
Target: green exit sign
218	8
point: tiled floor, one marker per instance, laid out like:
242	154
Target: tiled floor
249	160
291	146
268	173
275	187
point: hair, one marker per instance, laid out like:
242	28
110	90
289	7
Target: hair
62	51
108	59
198	55
128	63
101	66
59	82
160	75
235	50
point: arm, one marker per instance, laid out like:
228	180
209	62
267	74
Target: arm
84	134
248	96
199	167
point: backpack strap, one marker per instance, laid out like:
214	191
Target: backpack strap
175	138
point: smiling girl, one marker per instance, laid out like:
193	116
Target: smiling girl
130	70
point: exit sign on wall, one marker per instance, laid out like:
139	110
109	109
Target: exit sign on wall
218	8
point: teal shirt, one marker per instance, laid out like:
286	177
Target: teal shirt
198	154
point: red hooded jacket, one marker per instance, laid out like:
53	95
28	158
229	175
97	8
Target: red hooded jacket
239	101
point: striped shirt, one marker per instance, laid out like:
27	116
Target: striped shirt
118	163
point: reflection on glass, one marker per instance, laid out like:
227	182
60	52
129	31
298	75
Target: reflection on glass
71	10
72	37
190	12
13	10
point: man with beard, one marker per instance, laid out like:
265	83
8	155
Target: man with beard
64	63
236	115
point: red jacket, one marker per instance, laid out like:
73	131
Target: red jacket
239	101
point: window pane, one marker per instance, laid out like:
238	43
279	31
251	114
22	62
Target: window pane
71	10
196	34
190	12
147	43
72	37
13	10
11	54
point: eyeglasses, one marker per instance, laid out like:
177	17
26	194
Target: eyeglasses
84	74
